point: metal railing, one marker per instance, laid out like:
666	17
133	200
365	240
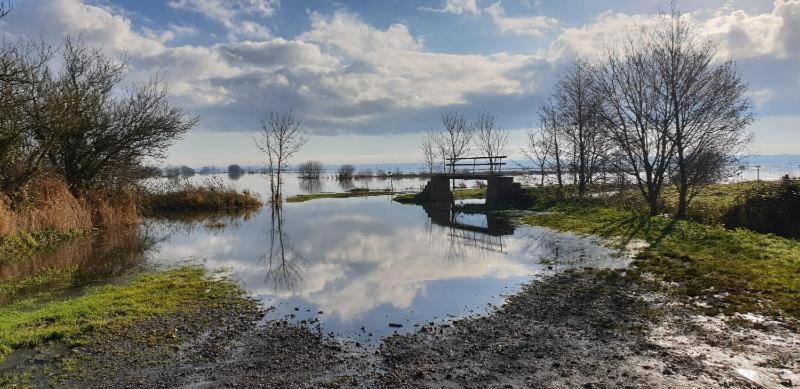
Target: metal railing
493	165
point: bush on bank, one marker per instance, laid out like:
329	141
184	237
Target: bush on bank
769	208
185	196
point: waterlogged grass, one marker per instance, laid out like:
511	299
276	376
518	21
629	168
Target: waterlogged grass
338	195
31	322
23	244
48	282
458	194
737	270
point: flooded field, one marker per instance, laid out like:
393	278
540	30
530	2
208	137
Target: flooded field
357	268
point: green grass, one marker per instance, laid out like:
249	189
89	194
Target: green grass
337	195
47	282
740	271
31	322
458	194
23	244
711	204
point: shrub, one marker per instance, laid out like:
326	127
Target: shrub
345	172
213	195
310	170
770	208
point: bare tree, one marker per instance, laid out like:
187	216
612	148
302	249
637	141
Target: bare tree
709	109
345	173
280	138
538	149
429	151
454	139
104	132
24	76
310	170
636	116
490	138
551	132
577	105
5	8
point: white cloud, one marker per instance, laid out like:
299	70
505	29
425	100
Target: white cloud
232	13
744	35
457	7
522	25
738	33
345	75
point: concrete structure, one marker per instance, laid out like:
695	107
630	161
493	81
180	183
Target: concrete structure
500	190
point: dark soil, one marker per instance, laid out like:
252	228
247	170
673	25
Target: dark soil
575	329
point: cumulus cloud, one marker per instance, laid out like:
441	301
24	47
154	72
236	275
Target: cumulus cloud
344	75
232	13
742	34
521	25
765	45
457	7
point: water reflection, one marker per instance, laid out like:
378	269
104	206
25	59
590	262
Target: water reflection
368	261
282	261
94	258
346	185
235	174
310	186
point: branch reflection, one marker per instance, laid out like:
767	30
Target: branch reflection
282	260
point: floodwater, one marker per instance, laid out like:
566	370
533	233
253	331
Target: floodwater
352	266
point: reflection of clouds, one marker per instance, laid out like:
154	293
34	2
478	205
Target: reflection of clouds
350	258
210	247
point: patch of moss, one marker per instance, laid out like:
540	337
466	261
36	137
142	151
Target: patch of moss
31	322
739	270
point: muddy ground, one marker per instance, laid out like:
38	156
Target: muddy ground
575	329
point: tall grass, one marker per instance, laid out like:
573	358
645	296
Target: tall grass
185	196
48	206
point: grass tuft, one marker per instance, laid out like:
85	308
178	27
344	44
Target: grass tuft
30	322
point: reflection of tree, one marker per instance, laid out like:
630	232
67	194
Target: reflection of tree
310	185
553	248
282	260
235	174
346	185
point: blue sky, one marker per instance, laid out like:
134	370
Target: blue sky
367	77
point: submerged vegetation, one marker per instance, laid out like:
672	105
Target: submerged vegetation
29	322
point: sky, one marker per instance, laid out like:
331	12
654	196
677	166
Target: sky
368	77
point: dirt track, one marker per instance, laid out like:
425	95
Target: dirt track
575	329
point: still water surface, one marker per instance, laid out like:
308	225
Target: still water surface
368	262
352	266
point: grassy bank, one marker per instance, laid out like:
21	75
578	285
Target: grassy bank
212	196
30	322
338	195
734	270
458	194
